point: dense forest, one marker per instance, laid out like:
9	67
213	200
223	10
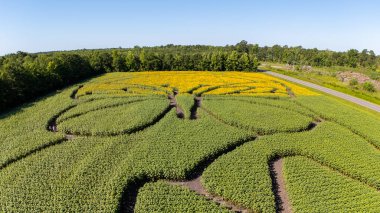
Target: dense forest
26	76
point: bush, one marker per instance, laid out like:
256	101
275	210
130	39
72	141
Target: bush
375	75
354	82
368	86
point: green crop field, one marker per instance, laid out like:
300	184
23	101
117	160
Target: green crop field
189	142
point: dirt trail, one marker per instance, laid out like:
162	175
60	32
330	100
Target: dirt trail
52	127
179	111
69	136
290	92
129	196
194	108
196	186
173	103
74	93
282	199
31	152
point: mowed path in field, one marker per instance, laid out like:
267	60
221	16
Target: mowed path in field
344	96
282	198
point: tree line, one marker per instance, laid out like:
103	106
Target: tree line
319	58
25	76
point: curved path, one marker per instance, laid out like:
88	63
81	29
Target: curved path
335	93
196	186
283	204
129	196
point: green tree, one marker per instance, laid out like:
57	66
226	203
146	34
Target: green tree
242	47
178	62
216	63
254	49
143	61
6	94
153	61
168	61
352	58
253	62
205	62
131	62
244	63
101	61
118	61
232	62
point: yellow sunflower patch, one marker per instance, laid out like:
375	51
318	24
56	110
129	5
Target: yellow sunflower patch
193	82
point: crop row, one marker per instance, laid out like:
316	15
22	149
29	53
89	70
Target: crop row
243	176
150	83
91	174
359	121
115	120
316	188
85	106
71	176
120	88
263	119
278	102
24	129
162	197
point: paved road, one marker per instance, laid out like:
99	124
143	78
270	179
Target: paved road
344	96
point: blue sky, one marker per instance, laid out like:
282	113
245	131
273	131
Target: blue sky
42	25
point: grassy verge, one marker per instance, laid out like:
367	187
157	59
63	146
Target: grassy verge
326	77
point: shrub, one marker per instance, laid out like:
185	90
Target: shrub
368	86
374	75
354	82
